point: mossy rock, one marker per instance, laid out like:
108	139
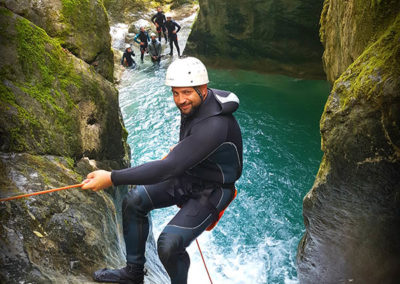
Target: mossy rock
81	26
348	28
51	102
352	212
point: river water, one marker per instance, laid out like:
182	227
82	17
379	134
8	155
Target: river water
256	240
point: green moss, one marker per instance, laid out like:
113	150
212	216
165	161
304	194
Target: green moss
6	95
70	162
323	20
366	76
76	13
49	74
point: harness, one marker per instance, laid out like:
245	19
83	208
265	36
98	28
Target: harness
213	224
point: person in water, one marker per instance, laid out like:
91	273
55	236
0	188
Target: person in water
159	21
198	175
173	28
142	38
128	58
155	49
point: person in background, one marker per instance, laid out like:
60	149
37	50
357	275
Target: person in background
155	49
173	28
198	175
142	38
128	58
159	21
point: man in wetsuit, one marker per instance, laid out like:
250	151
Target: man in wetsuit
198	175
155	49
127	59
159	21
144	38
173	28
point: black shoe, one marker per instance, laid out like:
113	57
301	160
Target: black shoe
130	274
170	54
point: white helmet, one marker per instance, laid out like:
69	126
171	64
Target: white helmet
186	72
152	34
127	46
168	15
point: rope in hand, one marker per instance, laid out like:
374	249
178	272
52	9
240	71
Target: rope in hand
41	192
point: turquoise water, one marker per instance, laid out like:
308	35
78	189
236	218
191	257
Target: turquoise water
256	241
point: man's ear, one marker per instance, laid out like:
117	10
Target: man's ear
203	90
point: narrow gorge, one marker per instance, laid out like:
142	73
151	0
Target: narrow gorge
311	75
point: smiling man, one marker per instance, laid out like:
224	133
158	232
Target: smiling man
198	175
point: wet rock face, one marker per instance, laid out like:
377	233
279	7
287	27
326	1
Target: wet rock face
269	36
60	237
352	213
348	27
52	102
54	110
80	26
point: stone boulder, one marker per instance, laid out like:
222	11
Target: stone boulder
81	27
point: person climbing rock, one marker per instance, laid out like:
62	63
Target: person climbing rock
142	38
155	49
159	21
128	58
198	175
173	28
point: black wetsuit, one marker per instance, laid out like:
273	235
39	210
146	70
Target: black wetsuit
159	18
129	56
198	175
144	38
173	37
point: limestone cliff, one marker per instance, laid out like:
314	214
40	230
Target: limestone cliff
80	26
59	120
352	213
270	36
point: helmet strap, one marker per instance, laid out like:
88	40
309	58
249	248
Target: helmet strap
199	93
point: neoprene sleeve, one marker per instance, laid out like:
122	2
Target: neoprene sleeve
206	136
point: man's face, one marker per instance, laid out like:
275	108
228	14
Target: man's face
153	38
129	49
158	9
169	18
187	100
142	29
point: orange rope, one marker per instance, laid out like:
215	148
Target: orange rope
41	192
202	257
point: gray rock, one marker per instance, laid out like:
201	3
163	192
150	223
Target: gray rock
272	36
352	213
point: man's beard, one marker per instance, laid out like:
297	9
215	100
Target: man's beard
191	113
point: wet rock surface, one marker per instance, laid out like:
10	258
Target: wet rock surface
352	213
269	36
80	26
61	237
60	120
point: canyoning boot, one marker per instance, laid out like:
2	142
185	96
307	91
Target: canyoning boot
130	274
